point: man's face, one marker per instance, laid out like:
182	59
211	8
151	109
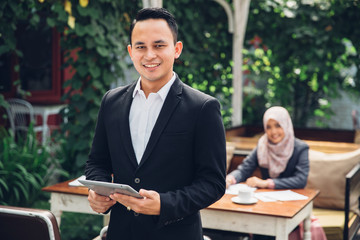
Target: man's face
153	51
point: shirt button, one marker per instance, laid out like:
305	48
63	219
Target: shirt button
137	180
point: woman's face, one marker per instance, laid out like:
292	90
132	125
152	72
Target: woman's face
274	131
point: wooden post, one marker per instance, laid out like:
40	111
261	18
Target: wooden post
241	10
152	3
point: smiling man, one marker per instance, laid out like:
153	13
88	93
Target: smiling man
162	138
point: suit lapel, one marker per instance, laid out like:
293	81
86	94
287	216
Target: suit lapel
125	102
171	101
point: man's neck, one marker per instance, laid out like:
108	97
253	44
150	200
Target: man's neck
152	86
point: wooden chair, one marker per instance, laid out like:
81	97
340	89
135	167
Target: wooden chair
352	192
27	223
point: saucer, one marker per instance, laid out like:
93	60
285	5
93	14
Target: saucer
239	201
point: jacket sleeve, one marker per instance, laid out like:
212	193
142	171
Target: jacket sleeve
300	175
246	168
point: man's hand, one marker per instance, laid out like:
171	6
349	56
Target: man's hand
149	205
98	203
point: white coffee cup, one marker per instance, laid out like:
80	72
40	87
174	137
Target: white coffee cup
246	193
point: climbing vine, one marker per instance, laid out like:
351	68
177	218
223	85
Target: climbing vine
307	53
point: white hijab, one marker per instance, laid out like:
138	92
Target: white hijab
276	156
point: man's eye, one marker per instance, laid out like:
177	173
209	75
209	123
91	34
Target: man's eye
159	46
140	47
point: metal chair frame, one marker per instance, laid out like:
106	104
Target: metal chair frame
20	113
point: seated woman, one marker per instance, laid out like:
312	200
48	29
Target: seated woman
282	158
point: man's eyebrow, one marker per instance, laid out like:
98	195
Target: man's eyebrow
142	43
139	43
160	41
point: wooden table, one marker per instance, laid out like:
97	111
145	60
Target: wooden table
265	218
268	218
69	199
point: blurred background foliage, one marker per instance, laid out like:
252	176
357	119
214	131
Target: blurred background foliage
298	54
25	167
315	53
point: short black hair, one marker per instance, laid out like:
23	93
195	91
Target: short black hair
156	13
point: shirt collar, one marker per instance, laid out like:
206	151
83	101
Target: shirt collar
162	92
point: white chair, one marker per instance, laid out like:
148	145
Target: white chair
20	113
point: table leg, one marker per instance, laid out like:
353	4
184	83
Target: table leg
54	208
106	219
307	228
281	233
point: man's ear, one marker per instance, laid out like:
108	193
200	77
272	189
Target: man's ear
129	50
178	49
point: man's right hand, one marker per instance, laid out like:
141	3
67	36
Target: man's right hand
99	203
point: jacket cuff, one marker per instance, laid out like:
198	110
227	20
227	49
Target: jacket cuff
271	183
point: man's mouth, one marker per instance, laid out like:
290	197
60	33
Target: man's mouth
151	65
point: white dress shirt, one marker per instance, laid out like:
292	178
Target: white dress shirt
143	115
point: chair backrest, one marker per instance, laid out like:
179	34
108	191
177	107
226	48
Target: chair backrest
20	113
352	194
27	223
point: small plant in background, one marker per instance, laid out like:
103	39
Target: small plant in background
79	226
25	167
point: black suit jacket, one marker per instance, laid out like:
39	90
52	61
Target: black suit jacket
184	161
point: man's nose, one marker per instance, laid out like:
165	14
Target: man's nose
150	54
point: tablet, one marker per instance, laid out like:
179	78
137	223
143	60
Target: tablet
106	188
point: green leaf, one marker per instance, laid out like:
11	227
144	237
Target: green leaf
4	49
98	84
90	43
90	30
81	160
82	70
51	22
93	113
34	20
103	51
108	77
95	72
80	30
3	185
24	191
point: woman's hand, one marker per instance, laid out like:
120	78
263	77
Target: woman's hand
230	180
257	182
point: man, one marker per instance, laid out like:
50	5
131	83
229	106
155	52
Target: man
161	137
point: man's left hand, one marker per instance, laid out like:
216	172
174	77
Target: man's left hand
149	205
